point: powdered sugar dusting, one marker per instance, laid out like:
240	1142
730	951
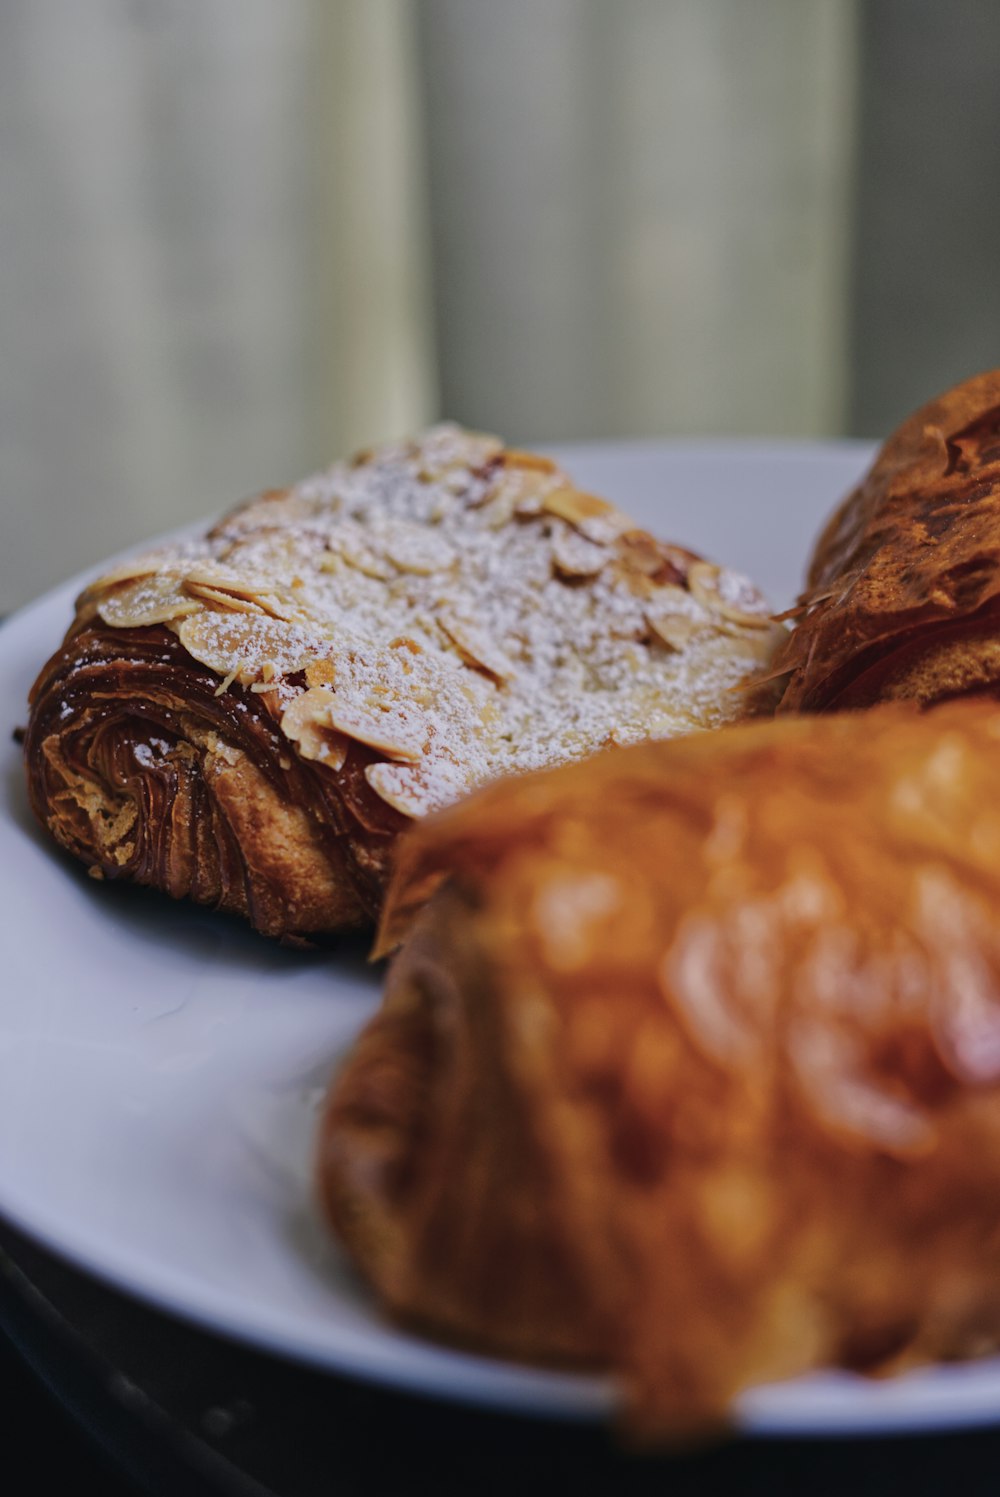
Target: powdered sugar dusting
466	611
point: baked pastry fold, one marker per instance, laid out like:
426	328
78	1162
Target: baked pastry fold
689	1064
903	590
252	718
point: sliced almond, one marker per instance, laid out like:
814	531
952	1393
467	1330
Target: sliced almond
501	509
281	608
395	730
703	583
320	673
133	570
414	548
354	545
261	558
229	590
399	787
219	598
527	502
224	580
524	491
151	600
415	790
448	449
307	723
311	707
210	574
366	561
225	641
515	457
729	594
475	645
328	748
595	518
677	631
573	505
574	556
671	598
640	551
642	555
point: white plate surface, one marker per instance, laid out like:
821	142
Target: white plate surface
160	1066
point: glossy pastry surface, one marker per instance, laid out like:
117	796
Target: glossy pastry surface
903	595
252	718
690	1066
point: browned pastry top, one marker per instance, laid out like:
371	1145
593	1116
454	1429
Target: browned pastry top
252	718
691	1064
459	608
913	553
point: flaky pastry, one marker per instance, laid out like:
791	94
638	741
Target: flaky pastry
690	1066
251	719
903	596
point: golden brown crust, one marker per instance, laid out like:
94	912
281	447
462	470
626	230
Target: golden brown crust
704	1037
251	719
423	1128
903	596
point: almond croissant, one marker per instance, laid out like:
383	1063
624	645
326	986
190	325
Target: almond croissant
251	719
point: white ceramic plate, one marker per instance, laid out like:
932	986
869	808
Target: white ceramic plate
159	1066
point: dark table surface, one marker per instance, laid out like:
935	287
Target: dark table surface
105	1396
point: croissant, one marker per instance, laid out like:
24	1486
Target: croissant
689	1065
251	719
903	595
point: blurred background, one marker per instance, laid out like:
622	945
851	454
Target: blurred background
242	237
